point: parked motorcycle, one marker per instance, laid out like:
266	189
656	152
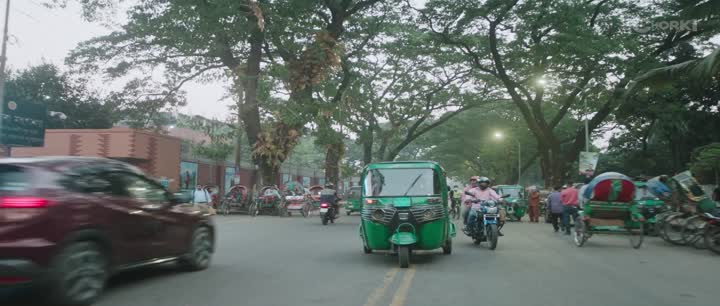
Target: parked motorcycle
327	213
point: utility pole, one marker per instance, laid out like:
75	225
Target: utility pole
3	75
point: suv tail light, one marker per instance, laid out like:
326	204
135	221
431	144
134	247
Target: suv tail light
23	202
324	205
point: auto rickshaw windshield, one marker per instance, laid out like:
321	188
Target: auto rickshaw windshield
513	192
398	182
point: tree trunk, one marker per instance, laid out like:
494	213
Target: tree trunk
368	144
249	112
333	154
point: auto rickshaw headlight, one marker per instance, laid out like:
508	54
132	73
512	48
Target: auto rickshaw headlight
403	216
428	214
378	215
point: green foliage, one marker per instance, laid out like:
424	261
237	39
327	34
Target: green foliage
706	162
46	83
222	137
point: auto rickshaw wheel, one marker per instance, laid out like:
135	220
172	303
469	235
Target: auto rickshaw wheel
636	236
404	256
447	247
366	250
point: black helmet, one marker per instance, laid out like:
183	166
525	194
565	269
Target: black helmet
483	179
329	185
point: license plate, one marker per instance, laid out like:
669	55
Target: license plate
323	210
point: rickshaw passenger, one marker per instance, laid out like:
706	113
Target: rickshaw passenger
329	195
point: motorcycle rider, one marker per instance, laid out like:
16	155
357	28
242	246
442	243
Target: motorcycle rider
329	195
463	197
482	192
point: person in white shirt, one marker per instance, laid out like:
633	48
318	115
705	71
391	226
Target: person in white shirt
201	196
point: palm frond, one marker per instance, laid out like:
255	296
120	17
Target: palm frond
701	70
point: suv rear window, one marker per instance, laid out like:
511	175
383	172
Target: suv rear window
14	178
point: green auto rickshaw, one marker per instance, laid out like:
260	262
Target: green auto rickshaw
353	201
405	208
515	203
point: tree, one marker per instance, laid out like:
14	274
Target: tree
702	69
706	162
230	40
572	46
45	83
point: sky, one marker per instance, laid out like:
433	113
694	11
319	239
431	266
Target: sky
41	35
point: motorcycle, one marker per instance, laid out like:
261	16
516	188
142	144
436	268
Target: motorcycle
486	226
327	213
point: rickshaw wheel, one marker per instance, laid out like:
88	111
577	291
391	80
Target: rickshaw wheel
404	256
580	232
447	247
306	210
636	236
672	229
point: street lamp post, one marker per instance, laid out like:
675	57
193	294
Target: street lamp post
499	135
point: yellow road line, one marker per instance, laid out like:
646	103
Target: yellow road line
402	292
379	292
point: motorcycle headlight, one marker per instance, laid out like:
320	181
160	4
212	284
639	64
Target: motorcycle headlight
378	215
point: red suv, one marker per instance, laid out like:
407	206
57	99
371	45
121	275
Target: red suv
71	222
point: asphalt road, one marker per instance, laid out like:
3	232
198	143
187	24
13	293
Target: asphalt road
268	261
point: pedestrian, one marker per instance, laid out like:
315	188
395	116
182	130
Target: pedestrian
201	196
534	205
716	194
569	198
555	207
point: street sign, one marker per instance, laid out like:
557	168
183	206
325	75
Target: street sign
23	124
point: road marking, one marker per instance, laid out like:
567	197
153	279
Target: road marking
379	292
402	292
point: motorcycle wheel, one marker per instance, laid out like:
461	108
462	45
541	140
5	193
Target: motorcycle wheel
712	238
492	236
324	220
348	212
404	256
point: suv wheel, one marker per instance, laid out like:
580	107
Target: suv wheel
201	249
78	274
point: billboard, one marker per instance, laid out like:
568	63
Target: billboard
188	175
588	163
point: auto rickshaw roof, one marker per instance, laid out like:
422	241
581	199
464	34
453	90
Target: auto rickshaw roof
408	164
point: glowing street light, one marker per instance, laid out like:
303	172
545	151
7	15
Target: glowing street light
500	136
